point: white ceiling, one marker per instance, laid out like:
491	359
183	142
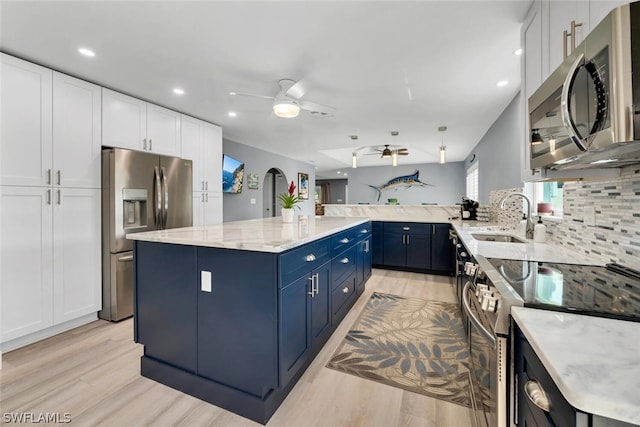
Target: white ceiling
363	57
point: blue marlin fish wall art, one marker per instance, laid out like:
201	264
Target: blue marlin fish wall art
405	181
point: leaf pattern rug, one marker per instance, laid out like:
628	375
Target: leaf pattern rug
409	343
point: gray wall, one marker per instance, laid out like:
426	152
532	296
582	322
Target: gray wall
337	190
499	153
237	207
448	184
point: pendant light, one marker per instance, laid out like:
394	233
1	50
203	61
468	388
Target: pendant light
354	154
443	148
394	153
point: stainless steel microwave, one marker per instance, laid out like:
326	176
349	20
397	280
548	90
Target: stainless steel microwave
587	113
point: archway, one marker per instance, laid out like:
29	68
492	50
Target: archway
275	182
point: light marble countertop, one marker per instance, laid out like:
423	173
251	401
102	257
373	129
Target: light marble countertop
408	213
260	235
530	250
595	362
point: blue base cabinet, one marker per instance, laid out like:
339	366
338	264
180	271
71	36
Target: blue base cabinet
411	246
238	328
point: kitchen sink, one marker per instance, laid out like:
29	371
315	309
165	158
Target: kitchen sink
490	237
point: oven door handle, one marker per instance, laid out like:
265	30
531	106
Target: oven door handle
476	322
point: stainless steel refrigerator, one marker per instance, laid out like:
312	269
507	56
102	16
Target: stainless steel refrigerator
140	192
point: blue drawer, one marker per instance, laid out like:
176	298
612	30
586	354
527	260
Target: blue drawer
302	260
342	240
340	298
407	228
342	266
363	231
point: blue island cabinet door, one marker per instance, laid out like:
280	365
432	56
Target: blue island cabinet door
295	317
394	250
418	251
321	306
441	249
237	319
165	301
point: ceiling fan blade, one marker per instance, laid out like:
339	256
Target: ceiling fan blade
251	95
403	154
321	110
402	149
298	89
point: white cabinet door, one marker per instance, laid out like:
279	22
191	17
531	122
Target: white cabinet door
163	131
26	261
561	13
76	132
198	207
212	157
191	135
124	121
76	253
212	213
25	123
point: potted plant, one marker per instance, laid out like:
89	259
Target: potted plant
289	201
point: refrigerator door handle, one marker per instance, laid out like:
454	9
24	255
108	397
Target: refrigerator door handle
158	201
165	185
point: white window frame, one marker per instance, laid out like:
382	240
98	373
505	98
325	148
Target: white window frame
473	182
536	191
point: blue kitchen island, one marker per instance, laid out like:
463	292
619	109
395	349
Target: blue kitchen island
234	313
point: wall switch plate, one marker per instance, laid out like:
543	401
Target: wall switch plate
252	201
205	281
590	215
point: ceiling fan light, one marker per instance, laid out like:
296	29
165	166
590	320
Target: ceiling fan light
286	108
443	154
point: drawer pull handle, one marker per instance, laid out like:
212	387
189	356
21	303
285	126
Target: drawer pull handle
345	260
364	231
536	395
345	290
310	258
406	228
345	240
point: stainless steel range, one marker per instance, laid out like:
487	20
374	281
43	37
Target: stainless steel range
497	285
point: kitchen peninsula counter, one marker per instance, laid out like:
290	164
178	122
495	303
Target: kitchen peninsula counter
234	313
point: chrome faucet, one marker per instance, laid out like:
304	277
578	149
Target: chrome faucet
529	233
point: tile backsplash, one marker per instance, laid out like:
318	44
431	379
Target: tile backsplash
601	218
511	215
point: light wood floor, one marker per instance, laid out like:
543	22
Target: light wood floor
93	374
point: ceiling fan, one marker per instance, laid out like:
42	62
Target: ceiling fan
287	103
387	152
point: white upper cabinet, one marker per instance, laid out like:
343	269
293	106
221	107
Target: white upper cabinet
192	133
569	16
131	123
212	157
76	132
599	9
163	130
25	123
124	121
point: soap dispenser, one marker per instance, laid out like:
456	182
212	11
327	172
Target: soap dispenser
539	231
522	226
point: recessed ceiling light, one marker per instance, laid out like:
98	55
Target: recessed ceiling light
178	91
518	52
232	114
338	172
502	83
232	93
86	52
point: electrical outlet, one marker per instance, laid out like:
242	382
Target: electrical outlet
590	215
252	201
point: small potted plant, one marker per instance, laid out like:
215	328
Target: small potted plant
289	201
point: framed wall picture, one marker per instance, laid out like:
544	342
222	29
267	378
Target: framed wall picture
303	186
253	182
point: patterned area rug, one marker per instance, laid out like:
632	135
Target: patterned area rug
409	343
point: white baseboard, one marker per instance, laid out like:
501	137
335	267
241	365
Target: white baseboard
45	333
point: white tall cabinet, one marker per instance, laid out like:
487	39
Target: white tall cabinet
202	143
50	277
138	125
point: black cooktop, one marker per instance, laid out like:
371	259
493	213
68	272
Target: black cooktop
612	291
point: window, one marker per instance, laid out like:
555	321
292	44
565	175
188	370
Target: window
472	182
548	192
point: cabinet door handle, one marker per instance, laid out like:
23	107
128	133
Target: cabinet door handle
345	240
533	390
404	242
125	258
150	144
408	242
206	197
310	258
317	282
345	260
202	198
565	36
312	280
206	184
58	197
48	197
48	176
573	34
366	246
144	144
433	229
406	228
202	186
345	290
59	175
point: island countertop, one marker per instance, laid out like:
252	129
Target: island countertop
260	235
